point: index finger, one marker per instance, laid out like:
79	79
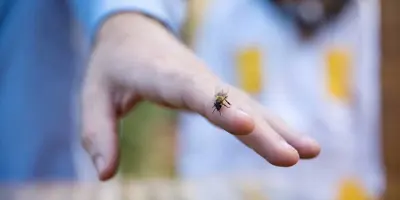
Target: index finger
243	120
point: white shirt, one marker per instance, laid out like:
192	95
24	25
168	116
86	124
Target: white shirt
295	80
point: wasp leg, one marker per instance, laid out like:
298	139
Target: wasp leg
213	110
226	105
227	102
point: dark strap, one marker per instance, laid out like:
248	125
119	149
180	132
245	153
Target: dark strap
390	72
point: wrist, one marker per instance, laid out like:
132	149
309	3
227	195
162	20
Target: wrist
120	26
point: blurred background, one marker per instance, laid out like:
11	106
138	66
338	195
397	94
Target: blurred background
149	137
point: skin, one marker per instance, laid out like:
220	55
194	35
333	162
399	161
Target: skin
135	58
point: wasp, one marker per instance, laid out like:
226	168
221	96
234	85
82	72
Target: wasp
220	99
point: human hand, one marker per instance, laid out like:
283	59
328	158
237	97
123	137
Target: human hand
135	58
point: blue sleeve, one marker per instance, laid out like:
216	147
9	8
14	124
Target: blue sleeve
92	13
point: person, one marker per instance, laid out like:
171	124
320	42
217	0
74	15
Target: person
321	76
134	56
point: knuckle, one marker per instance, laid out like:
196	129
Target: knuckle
192	93
87	141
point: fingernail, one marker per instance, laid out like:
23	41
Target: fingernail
99	163
309	140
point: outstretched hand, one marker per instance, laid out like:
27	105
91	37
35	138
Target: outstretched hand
135	58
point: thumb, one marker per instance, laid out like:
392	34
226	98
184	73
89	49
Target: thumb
99	134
